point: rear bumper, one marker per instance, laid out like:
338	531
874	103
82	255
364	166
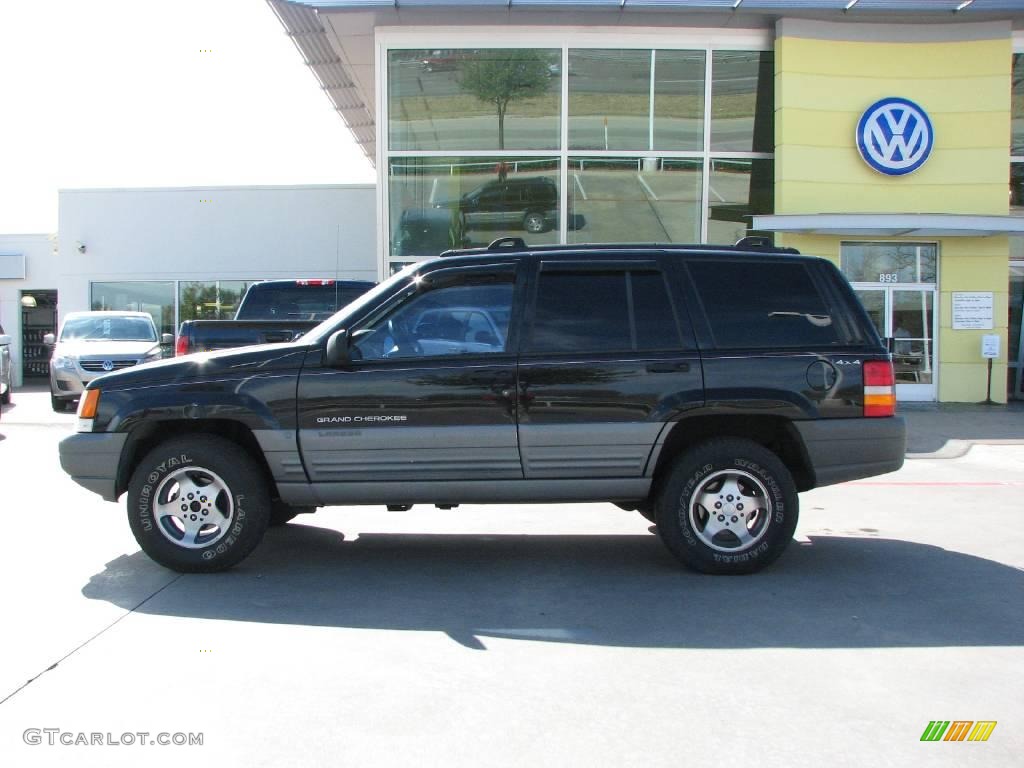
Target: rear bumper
849	449
92	460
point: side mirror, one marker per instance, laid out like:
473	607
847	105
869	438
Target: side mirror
49	339
4	339
337	353
167	339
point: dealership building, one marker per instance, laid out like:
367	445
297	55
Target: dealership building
885	135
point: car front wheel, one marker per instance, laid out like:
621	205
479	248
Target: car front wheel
535	222
198	504
729	506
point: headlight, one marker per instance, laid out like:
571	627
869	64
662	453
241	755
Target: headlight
64	362
153	354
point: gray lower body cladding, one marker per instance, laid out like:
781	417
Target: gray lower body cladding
92	460
466	491
840	450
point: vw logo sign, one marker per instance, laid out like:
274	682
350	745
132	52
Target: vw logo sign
894	136
108	365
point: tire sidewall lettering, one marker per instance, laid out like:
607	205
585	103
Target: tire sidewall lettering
693	481
146	499
684	501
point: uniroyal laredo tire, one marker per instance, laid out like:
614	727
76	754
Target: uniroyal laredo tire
198	504
714	489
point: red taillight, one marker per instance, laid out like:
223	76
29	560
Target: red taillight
879	388
314	282
181	346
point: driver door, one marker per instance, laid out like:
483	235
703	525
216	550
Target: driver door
419	401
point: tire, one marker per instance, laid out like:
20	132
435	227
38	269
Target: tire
765	494
231	500
282	514
59	405
534	222
5	398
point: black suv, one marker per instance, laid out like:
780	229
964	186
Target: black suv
702	386
530	203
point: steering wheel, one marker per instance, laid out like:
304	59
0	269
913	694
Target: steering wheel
405	343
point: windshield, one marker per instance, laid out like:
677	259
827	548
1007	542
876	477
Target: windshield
108	329
366	300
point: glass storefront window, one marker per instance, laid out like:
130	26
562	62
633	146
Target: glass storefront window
154	297
738	189
678	100
609	99
640	127
1017	205
634	199
210	299
1017	105
438	203
743	101
889	262
472	99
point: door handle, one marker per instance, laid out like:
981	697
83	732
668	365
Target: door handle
668	367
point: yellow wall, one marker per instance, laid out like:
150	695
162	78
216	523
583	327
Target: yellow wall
823	87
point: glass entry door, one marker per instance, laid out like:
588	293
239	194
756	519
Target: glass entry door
908	316
1015	384
896	284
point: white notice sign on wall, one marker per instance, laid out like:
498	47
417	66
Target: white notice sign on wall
990	345
972	310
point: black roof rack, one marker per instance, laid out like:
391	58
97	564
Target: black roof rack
744	245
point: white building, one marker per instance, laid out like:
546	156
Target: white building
177	253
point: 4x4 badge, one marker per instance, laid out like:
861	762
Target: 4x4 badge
847	362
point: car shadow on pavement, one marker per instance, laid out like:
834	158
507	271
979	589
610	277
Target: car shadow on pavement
622	590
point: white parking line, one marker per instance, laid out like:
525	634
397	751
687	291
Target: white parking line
579	185
433	190
646	187
713	192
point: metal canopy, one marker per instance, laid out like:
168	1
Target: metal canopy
930	7
891	224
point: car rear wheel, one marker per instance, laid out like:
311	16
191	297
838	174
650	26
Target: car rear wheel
535	222
198	504
729	506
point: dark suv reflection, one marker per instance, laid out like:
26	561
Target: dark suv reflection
531	203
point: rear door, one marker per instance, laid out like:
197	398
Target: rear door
417	403
606	364
776	337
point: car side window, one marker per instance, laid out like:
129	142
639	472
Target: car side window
603	311
762	304
463	319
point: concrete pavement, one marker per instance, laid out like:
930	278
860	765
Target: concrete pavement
526	635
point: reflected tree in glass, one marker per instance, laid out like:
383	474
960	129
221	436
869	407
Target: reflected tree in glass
501	77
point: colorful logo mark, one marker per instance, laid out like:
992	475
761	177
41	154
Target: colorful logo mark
958	730
895	136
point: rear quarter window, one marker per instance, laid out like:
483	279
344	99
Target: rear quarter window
764	304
